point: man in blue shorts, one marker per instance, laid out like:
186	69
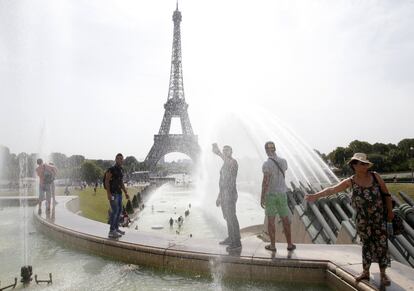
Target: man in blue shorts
273	197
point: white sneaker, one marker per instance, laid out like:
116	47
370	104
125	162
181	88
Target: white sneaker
121	232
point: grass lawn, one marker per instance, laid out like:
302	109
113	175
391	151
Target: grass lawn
96	206
92	206
407	188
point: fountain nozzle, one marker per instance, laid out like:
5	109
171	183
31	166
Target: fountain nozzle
44	281
9	286
26	274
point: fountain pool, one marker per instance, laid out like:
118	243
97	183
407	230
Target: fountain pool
205	219
77	270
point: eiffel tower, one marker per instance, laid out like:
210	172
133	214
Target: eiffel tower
164	142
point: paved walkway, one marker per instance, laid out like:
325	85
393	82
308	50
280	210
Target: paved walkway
347	257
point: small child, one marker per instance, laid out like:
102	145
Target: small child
124	221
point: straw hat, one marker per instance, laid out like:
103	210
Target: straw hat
360	157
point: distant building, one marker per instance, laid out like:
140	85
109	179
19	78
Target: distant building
140	176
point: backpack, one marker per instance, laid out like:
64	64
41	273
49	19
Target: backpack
48	175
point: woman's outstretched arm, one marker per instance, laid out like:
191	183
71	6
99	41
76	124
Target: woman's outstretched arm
341	186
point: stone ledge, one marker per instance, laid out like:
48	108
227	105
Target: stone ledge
196	256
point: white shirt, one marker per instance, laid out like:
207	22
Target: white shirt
277	182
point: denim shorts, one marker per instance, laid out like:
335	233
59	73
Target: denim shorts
44	190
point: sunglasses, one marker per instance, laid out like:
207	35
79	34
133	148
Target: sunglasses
356	162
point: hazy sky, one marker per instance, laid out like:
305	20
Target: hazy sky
91	77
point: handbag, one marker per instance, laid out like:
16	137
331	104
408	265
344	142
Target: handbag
397	222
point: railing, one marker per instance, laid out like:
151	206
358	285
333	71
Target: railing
324	219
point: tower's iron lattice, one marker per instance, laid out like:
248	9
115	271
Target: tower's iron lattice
164	142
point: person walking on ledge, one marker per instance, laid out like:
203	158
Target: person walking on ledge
227	197
114	185
274	198
370	222
46	174
52	184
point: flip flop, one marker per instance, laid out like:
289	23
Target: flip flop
363	276
385	280
293	247
270	248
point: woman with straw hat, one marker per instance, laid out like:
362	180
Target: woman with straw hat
370	223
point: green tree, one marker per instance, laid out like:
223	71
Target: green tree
357	146
340	156
322	156
392	146
4	160
397	159
75	174
32	164
142	166
60	160
411	164
379	161
26	165
90	172
13	168
130	164
104	164
405	145
75	161
380	148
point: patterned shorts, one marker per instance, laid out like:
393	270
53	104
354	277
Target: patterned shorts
276	204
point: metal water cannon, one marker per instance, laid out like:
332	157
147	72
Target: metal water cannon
407	199
407	213
9	286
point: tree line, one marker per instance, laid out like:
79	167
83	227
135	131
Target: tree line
386	157
75	167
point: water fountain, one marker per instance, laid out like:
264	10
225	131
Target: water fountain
204	221
246	128
246	132
40	248
38	252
